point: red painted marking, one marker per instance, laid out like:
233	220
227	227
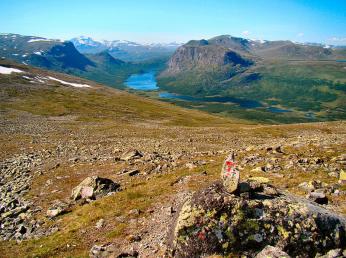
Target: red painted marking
230	163
231	172
201	235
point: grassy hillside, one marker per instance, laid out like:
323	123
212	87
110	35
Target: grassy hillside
92	104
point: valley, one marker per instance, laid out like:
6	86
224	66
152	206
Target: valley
104	157
263	82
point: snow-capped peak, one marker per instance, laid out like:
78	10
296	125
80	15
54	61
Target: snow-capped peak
84	40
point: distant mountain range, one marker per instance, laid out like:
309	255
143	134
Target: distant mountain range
306	78
62	56
124	49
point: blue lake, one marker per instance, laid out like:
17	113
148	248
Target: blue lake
147	82
142	81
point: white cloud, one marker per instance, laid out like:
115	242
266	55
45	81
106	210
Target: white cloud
245	33
300	34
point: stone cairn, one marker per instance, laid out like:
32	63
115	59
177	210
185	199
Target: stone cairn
230	174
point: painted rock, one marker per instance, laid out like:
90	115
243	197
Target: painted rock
230	174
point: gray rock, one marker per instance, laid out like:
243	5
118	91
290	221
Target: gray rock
100	223
336	253
272	252
318	197
131	154
94	187
52	213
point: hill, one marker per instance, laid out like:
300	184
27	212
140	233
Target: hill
296	78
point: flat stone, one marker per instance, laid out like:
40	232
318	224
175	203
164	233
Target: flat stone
272	252
131	154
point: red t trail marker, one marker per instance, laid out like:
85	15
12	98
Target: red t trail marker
230	174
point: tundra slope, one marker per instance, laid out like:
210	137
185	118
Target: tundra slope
55	135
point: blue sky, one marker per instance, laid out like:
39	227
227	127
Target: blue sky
177	20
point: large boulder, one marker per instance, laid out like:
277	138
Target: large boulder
213	221
94	187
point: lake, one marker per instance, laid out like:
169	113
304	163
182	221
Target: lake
142	81
147	82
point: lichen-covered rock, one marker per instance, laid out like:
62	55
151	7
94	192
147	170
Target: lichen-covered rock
213	221
94	187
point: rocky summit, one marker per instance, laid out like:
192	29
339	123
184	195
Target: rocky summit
213	221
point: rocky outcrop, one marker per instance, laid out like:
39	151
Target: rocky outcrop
203	56
213	221
94	187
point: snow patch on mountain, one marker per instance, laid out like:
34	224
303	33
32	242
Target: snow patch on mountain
7	70
78	85
39	39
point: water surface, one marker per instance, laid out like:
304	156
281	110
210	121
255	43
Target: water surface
142	81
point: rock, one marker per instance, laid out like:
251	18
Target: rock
311	185
278	149
342	176
318	197
133	238
260	179
133	172
230	174
94	187
53	212
131	154
335	253
100	223
190	165
214	222
258	169
110	251
100	251
272	252
135	212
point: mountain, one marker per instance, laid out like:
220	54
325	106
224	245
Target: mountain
42	52
62	56
88	45
297	77
124	49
